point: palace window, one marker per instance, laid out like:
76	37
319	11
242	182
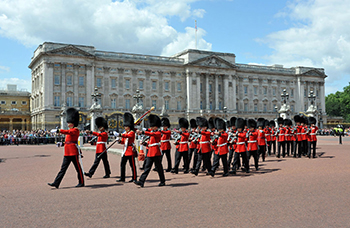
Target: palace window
69	80
81	101
292	93
127	84
166	86
255	107
236	89
211	105
219	88
24	102
305	93
140	84
305	107
210	88
201	105
316	93
154	85
57	101
255	90
113	103
81	81
166	102
178	105
274	91
113	83
69	101
245	89
245	107
99	82
292	108
265	90
154	104
265	107
57	79
178	86
127	103
220	105
201	87
14	102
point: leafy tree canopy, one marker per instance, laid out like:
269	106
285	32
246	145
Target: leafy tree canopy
338	104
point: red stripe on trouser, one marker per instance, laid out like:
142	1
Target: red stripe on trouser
133	167
80	172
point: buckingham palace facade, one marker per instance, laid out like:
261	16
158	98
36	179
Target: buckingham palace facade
188	84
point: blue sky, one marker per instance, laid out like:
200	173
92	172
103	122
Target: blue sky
311	33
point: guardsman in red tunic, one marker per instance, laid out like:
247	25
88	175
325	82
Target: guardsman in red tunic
129	151
312	137
193	144
182	151
165	145
154	154
253	142
267	131
281	138
261	138
304	132
241	149
72	151
288	140
232	142
273	135
221	150
101	146
204	146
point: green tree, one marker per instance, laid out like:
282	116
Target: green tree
338	104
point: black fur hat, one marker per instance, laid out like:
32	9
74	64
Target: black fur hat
211	123
233	121
101	122
73	116
128	120
266	123
165	122
240	123
312	120
202	122
303	119
183	123
228	123
251	123
280	120
261	122
288	122
154	121
193	123
272	123
297	119
220	124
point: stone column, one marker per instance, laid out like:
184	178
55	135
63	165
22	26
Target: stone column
161	89
63	83
48	84
198	96
216	92
322	96
76	85
89	84
106	86
233	79
189	92
207	92
227	94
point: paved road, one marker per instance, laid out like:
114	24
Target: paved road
284	193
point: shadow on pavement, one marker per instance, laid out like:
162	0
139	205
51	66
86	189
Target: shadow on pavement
321	155
102	185
181	184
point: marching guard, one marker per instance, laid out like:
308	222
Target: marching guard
261	138
312	140
72	151
204	146
253	142
298	137
272	124
281	138
129	151
182	150
241	149
193	144
165	145
101	146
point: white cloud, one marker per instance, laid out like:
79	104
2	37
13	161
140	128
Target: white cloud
126	26
21	83
4	69
320	37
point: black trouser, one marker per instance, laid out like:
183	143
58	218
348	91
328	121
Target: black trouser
236	160
269	148
297	147
313	143
273	145
230	156
178	156
206	161
148	165
97	162
305	147
255	155
288	147
195	159
340	139
65	164
283	145
168	157
123	161
292	145
190	153
262	151
216	162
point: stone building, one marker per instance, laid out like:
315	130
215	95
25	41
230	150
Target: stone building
14	109
188	84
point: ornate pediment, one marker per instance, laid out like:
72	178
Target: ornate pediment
314	72
70	50
212	61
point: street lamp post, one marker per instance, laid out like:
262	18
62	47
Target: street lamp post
225	111
321	120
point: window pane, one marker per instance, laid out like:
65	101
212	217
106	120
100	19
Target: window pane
69	80
99	82
178	86
154	85
154	104
57	80
113	83
178	105
81	101
81	81
127	84
141	84
166	86
127	104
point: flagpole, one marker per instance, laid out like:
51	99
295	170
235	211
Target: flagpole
196	32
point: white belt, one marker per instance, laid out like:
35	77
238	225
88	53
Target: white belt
280	134
184	142
312	133
287	134
252	141
165	140
222	145
204	142
304	133
154	144
102	143
298	133
267	134
239	143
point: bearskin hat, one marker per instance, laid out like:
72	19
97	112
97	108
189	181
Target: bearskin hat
280	120
251	123
165	122
261	122
272	123
288	122
297	119
220	124
101	122
202	122
312	120
183	122
266	123
233	121
73	116
228	123
211	123
154	121
193	123
303	119
240	123
128	120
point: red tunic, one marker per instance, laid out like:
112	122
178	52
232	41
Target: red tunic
221	146
261	138
287	134
165	140
273	136
252	141
304	133
101	141
205	142
313	137
131	139
267	131
193	144
154	143
281	134
184	141
241	141
70	145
